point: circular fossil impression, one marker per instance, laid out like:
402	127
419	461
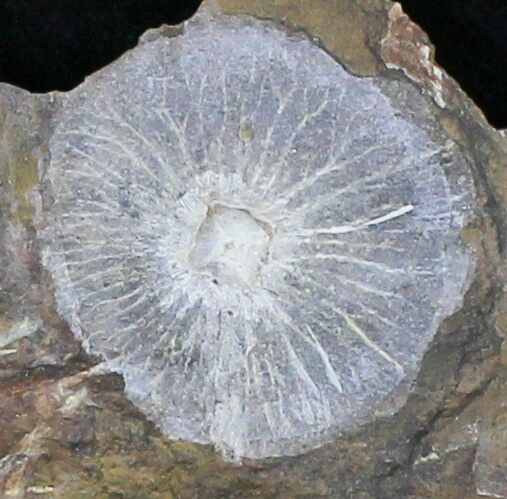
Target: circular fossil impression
260	243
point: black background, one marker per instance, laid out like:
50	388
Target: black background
54	44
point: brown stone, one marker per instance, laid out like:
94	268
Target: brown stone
66	427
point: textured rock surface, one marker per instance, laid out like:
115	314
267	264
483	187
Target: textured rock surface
67	427
257	293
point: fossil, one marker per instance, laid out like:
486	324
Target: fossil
262	244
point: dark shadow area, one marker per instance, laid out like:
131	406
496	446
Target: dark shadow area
54	44
471	44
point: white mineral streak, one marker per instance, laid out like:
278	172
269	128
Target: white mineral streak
17	331
256	240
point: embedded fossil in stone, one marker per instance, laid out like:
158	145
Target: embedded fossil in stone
260	243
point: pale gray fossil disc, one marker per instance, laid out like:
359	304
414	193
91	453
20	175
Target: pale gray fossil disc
262	244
